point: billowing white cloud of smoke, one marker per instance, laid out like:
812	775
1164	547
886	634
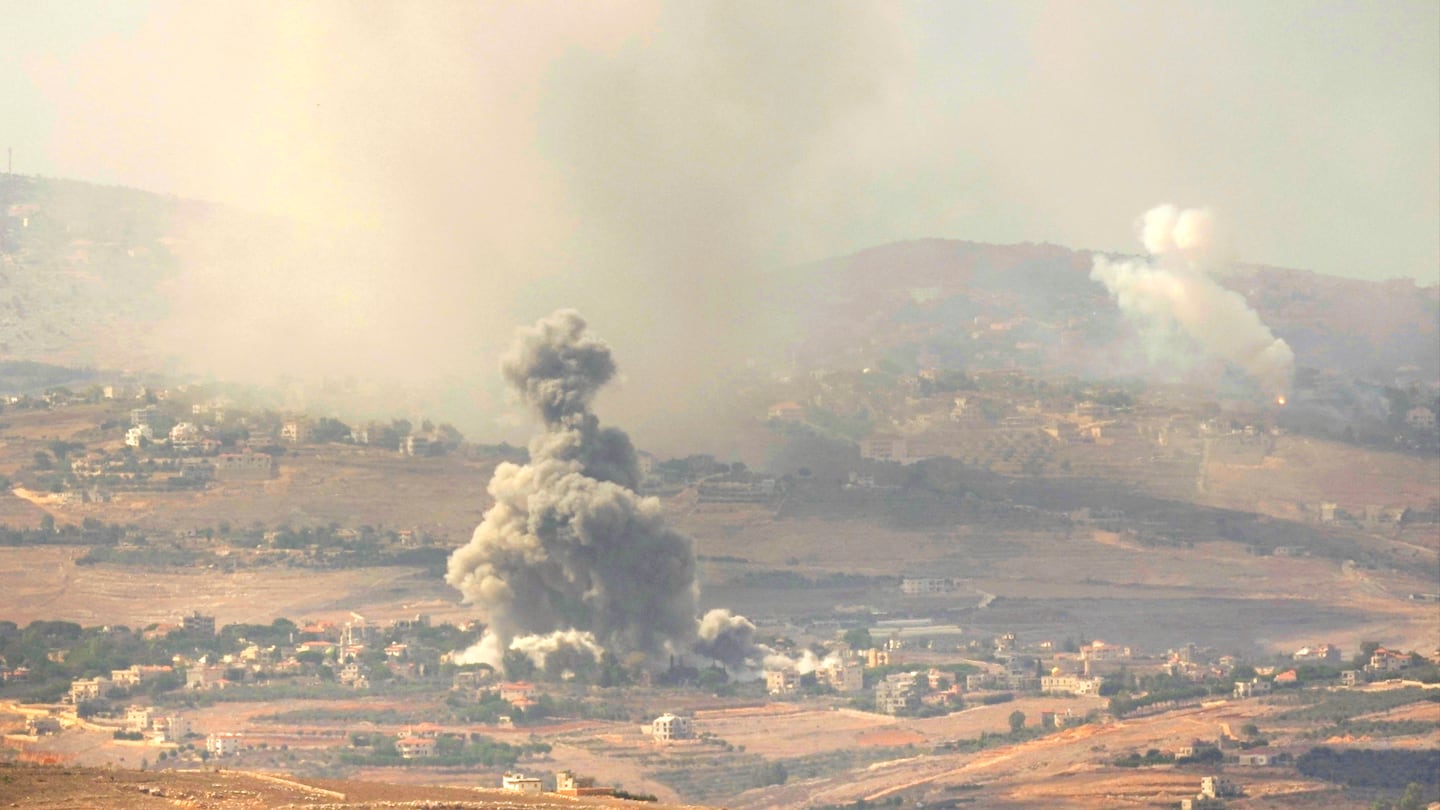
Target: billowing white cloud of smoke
573	646
570	557
1174	290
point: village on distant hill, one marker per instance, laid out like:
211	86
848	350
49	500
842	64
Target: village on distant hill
999	561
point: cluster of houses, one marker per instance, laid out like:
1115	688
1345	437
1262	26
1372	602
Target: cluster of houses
167	448
843	674
342	646
156	726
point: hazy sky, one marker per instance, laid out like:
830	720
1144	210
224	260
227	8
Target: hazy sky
1313	128
480	164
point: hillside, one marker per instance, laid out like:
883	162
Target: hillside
32	786
88	274
1033	306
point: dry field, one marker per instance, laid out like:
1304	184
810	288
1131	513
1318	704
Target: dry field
52	788
1065	768
316	485
1301	472
350	486
44	583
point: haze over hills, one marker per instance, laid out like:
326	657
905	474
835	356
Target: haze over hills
985	456
118	278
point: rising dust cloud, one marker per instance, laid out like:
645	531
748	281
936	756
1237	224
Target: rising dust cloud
571	559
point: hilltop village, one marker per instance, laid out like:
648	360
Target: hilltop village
902	670
993	564
326	698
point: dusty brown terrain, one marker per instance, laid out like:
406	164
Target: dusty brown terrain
74	788
315	485
1300	472
1068	768
45	583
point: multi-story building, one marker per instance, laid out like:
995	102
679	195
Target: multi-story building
139	718
897	693
138	674
1070	684
842	676
414	747
781	681
89	689
225	744
670	727
198	625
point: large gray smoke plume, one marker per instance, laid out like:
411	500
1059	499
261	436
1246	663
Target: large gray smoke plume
1175	290
570	557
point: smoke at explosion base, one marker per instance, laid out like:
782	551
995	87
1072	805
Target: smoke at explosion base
571	559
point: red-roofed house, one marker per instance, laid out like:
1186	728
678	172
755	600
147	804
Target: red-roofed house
412	747
516	690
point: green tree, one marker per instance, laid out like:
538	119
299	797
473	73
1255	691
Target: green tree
1414	798
859	638
1017	721
773	773
1367	649
329	430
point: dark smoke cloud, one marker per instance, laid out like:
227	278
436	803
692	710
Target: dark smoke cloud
570	557
557	368
726	637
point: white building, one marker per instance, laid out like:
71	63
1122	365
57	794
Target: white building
139	718
915	586
226	744
1070	684
520	783
135	436
89	689
669	727
1251	688
897	693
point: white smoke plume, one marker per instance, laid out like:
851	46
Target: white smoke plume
569	646
570	556
1174	290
